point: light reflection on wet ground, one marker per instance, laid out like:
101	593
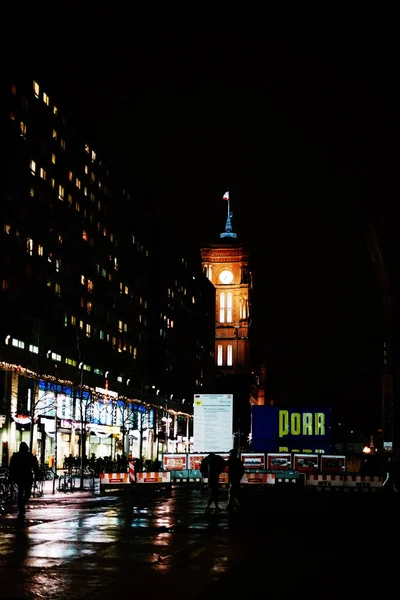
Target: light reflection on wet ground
86	549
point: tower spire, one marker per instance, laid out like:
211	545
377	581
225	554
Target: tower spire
228	233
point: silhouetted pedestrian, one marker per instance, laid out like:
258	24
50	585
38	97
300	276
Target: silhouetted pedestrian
211	467
23	466
235	473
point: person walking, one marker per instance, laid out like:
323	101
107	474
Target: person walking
235	473
211	467
23	466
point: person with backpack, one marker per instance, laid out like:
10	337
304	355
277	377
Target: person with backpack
211	467
235	473
23	466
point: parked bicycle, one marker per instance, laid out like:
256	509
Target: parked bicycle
66	482
8	490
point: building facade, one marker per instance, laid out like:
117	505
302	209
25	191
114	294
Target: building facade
77	300
227	265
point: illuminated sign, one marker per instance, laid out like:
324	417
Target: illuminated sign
252	460
296	423
303	430
212	422
174	462
105	392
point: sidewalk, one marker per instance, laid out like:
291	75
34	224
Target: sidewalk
50	490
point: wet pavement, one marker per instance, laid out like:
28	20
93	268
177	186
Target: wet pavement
285	543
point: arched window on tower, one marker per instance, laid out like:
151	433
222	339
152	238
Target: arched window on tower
222	308
229	356
229	308
219	356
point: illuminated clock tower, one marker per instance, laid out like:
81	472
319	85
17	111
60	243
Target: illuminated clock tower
226	265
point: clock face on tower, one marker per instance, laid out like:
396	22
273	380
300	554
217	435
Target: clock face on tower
226	277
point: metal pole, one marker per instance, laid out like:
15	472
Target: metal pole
55	432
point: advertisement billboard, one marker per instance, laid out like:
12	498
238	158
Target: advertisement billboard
333	463
252	460
305	463
174	462
275	429
279	461
212	422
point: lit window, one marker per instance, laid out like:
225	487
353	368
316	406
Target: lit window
229	356
33	349
88	329
89	307
86	169
70	176
98	371
32	192
219	356
29	246
12	116
55	356
104	231
85	236
99	185
71	362
60	192
126	290
92	197
57	289
73	320
55	111
93	177
93	155
69	200
87	149
58	265
222	308
101	334
87	368
119	379
42	173
120	326
23	129
7	229
77	206
40	250
53	183
90	285
18	344
65	320
33	167
104	272
36	89
82	279
78	183
54	134
85	191
62	144
80	324
46	99
109	277
229	308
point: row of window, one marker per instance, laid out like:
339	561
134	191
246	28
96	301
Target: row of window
70	361
228	357
226	305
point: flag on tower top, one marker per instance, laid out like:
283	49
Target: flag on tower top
225	196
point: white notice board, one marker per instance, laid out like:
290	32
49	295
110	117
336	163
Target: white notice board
213	422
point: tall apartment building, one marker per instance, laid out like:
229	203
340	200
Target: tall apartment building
77	299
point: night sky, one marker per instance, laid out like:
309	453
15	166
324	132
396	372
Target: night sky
297	122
